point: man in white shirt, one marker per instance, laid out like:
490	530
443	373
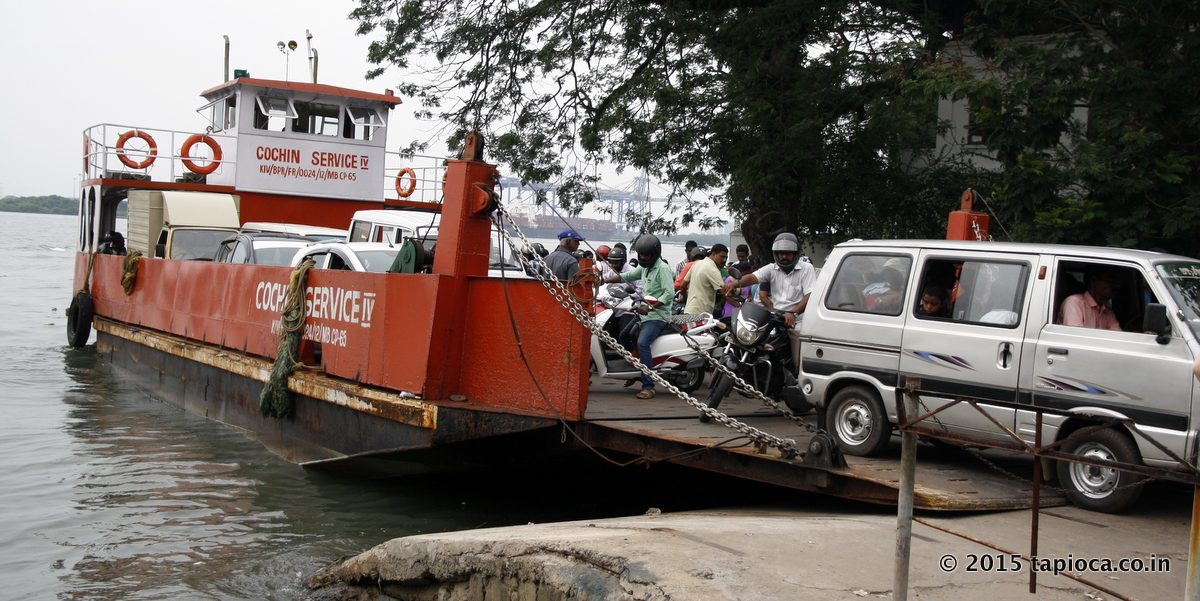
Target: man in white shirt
784	285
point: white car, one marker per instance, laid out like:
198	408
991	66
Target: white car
315	232
352	256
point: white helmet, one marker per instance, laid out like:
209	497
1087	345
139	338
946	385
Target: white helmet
786	242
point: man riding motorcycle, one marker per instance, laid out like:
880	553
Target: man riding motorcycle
659	285
784	285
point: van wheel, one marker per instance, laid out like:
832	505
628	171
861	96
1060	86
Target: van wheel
1102	489
79	319
858	421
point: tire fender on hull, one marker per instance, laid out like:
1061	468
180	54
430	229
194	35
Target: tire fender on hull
79	319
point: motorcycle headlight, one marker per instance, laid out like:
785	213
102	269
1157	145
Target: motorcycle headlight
746	333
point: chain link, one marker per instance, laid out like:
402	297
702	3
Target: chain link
566	299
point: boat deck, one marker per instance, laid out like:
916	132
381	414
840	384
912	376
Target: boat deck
667	429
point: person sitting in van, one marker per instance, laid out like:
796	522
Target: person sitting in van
933	302
562	262
1089	309
886	293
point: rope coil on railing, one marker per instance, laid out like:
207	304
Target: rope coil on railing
129	271
276	399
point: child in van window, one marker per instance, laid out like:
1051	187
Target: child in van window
933	302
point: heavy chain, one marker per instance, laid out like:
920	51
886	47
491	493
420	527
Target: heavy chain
563	295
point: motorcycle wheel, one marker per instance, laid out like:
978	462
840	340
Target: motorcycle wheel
722	384
695	378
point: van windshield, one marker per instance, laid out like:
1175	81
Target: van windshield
1183	280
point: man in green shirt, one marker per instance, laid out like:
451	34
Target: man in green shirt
658	284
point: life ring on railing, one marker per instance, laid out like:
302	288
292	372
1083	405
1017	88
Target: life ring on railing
401	189
128	162
186	155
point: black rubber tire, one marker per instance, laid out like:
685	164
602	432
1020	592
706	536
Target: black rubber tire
858	422
695	379
722	384
1097	488
79	319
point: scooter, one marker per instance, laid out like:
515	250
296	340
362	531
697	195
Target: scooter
675	357
759	352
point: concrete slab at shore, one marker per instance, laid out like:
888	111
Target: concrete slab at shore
735	554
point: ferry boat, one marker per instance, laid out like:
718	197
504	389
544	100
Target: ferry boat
390	362
437	366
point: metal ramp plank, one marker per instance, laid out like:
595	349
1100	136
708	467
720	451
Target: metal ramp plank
667	429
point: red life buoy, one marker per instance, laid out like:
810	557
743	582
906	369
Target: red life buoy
185	153
401	189
128	162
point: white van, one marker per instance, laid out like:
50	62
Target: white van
1002	336
395	226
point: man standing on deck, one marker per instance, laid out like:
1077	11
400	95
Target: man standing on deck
659	286
688	247
704	280
562	262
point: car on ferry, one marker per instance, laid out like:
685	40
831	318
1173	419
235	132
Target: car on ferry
396	226
315	232
1005	335
376	257
257	248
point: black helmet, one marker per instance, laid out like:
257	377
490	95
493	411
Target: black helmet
648	244
786	242
617	254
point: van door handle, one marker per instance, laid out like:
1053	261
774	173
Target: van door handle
1053	352
1005	356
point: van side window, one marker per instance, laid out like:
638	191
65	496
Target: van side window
360	231
870	284
975	292
1106	296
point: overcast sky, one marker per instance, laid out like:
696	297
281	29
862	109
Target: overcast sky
71	64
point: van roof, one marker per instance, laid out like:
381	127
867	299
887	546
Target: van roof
408	219
1096	252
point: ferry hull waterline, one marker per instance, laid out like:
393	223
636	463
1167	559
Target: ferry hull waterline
388	362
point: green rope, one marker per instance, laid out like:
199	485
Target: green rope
276	399
129	271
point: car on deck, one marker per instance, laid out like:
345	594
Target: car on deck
254	248
375	257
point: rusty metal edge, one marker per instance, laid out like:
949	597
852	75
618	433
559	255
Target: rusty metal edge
372	401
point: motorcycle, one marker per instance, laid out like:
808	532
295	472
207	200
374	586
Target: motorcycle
759	352
675	357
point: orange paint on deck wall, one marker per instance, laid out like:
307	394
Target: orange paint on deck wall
402	348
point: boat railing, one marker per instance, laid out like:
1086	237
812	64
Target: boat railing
106	144
406	176
425	181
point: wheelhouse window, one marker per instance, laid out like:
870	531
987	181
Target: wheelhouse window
273	112
362	123
870	284
221	113
316	118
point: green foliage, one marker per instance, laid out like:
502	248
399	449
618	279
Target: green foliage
51	205
1126	176
794	113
